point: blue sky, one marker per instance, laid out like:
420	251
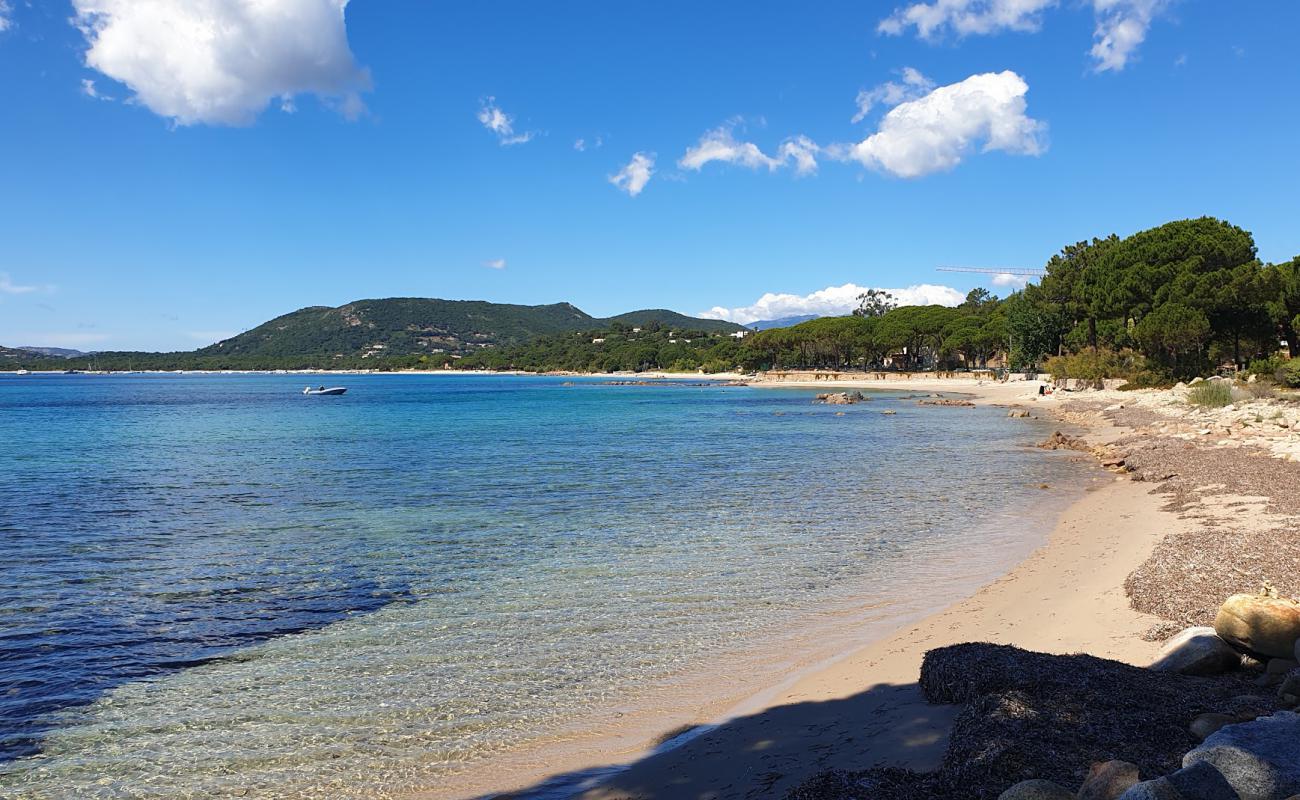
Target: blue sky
176	171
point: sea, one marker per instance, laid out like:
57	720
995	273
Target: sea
217	586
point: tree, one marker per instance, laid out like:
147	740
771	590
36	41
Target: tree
1175	335
875	303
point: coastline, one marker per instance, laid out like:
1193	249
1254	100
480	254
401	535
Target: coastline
861	706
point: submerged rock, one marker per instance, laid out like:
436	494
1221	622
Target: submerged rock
1196	651
840	398
1266	625
1260	760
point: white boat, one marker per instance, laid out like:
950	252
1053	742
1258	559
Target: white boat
324	390
22	372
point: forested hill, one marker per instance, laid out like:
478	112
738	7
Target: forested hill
403	326
380	333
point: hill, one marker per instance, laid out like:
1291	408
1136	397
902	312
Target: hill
399	331
783	322
404	326
56	352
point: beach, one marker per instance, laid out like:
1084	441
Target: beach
864	709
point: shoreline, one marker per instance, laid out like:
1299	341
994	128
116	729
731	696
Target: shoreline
860	706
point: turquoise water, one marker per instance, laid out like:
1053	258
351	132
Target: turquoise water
214	584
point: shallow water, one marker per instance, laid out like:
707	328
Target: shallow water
214	584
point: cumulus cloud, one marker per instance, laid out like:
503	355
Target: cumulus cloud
912	86
966	17
501	123
495	263
1121	27
1011	280
831	301
720	144
1121	24
220	62
633	177
935	132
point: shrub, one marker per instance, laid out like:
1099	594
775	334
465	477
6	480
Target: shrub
1211	394
1096	365
1147	379
1265	367
1260	389
1288	373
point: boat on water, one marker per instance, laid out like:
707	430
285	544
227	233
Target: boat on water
22	372
325	390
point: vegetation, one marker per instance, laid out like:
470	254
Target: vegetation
1212	394
1166	304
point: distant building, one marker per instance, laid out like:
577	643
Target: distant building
597	341
741	334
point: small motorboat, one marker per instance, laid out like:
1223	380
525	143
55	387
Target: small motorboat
22	372
325	390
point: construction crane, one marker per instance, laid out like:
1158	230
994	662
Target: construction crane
1019	273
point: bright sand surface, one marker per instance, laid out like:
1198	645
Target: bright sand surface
863	707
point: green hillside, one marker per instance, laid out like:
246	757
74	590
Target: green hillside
392	332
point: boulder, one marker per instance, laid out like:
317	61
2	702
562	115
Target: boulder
1260	760
1108	780
1158	789
1196	651
1037	790
1207	724
1018	413
1280	666
1202	781
1266	625
1290	686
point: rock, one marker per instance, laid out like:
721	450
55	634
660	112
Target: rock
1202	781
1296	653
1108	780
1037	790
1113	462
1018	413
889	413
1260	759
1116	407
1196	651
1061	441
1290	684
1158	789
1266	625
840	398
945	401
1195	381
1207	724
1280	666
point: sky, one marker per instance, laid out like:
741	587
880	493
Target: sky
175	171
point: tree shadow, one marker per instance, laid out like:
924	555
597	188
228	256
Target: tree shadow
768	753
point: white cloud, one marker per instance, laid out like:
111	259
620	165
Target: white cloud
633	177
831	301
495	263
1121	26
720	145
6	21
222	61
582	145
7	286
1010	279
891	93
966	17
501	123
89	90
935	132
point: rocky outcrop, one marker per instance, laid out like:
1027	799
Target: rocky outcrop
840	398
1197	651
1260	760
1261	624
945	401
1062	441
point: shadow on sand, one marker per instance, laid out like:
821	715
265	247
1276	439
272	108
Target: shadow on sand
766	754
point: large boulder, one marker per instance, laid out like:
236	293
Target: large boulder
1198	782
1108	780
1259	623
1196	651
1037	790
1260	760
